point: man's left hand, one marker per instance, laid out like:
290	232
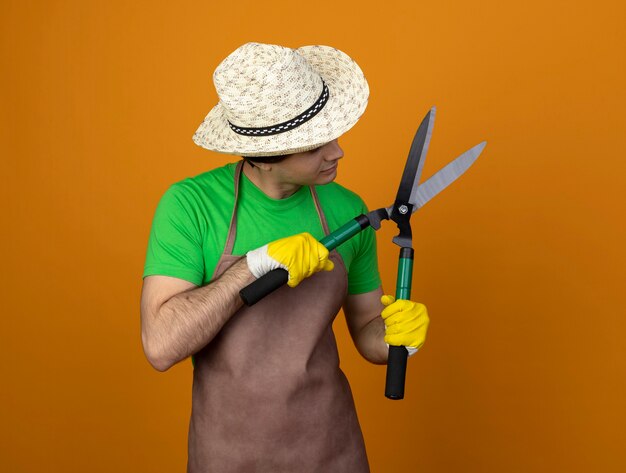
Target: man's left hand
406	323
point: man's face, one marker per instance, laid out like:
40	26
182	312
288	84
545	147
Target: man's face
314	167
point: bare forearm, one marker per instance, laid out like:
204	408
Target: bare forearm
370	341
190	320
366	326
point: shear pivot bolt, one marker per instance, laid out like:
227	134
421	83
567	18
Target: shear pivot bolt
403	209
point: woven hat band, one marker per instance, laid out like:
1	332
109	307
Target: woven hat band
289	124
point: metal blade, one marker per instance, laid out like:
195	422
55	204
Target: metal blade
420	166
446	176
415	161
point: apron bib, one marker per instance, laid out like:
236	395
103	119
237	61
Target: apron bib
268	394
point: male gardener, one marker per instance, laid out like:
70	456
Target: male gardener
268	394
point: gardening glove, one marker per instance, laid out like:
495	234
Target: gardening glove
406	323
301	255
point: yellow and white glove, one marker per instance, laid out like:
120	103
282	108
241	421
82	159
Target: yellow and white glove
406	323
301	255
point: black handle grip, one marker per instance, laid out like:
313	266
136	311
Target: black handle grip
266	284
396	372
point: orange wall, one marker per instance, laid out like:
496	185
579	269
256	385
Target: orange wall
521	263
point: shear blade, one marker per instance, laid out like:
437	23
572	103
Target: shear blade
446	176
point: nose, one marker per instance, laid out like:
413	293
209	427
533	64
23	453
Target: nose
333	151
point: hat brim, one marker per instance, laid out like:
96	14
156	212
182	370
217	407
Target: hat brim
348	96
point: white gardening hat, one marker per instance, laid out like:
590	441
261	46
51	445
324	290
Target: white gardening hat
276	100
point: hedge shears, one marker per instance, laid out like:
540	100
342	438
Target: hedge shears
410	197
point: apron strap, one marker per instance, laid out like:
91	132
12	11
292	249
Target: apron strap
232	230
320	212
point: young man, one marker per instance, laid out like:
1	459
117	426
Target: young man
268	394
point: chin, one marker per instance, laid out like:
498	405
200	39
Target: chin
326	179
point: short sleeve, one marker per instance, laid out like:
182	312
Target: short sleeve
175	242
363	275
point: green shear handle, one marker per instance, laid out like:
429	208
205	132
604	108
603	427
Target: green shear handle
398	355
268	283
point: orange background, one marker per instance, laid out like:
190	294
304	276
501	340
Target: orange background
521	262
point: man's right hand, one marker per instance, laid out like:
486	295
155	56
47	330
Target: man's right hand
301	255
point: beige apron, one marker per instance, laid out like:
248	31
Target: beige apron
268	394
